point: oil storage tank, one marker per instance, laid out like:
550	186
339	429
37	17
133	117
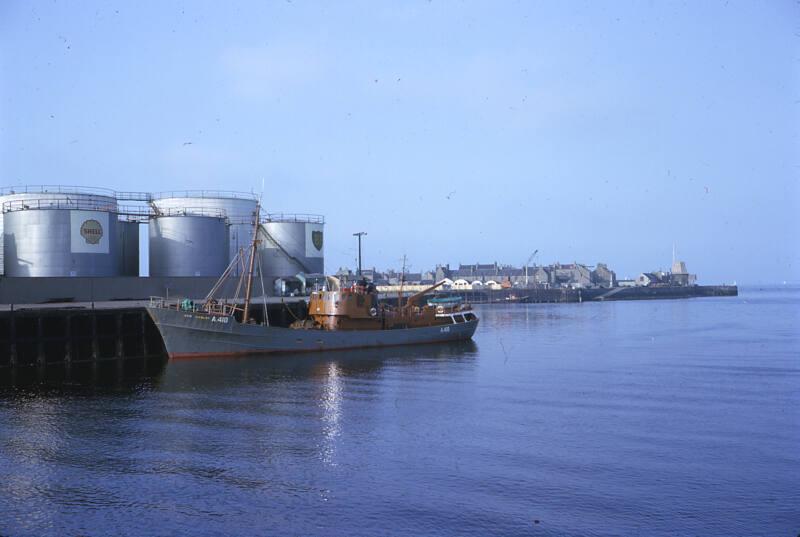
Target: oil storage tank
292	243
48	197
51	241
238	207
128	247
188	245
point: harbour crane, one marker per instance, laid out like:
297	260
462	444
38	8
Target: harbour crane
528	262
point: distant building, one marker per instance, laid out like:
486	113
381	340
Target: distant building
496	276
345	274
602	276
572	275
680	276
541	276
369	274
411	277
648	279
442	272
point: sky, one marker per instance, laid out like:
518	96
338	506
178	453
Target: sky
451	132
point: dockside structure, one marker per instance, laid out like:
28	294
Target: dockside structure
495	276
79	232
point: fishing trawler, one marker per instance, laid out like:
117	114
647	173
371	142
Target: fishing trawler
339	317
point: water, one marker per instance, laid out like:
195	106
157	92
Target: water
630	418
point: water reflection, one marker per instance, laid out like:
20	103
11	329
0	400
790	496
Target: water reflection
331	402
129	376
208	373
258	426
132	376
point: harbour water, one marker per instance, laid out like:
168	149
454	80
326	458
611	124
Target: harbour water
652	418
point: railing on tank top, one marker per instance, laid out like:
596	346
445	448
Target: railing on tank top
189	211
203	194
56	189
300	218
138	212
132	212
79	204
124	195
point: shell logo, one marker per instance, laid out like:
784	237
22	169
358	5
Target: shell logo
91	231
316	239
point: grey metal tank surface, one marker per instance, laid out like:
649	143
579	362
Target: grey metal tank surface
188	245
60	242
239	208
291	244
43	196
128	247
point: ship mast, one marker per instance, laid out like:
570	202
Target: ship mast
251	264
359	235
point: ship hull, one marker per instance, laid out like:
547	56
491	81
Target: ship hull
194	334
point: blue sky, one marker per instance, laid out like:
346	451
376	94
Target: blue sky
449	131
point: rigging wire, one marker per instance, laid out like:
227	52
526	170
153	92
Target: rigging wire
263	291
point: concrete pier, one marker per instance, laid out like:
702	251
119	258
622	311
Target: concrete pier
43	337
563	295
48	335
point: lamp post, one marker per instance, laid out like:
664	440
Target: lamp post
359	235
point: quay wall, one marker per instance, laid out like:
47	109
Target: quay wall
52	290
46	336
42	337
659	293
534	295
